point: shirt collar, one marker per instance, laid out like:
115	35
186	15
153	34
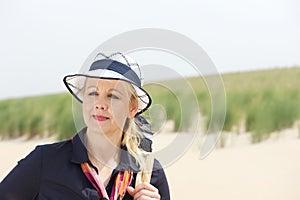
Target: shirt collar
79	154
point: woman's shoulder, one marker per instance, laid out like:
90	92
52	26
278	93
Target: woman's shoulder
157	170
157	165
55	147
46	154
159	180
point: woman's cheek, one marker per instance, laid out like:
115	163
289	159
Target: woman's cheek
120	113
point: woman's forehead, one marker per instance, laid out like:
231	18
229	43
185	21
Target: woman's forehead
105	83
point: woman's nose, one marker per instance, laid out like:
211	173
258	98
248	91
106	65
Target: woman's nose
100	103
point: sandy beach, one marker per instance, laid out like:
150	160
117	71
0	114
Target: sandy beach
269	170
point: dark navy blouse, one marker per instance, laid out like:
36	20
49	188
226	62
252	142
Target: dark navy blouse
53	171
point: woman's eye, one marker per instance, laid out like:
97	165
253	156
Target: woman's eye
92	93
113	96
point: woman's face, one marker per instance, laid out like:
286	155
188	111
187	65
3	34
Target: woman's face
107	104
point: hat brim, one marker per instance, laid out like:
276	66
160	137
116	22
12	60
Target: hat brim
75	84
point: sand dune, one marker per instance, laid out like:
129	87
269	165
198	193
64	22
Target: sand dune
266	171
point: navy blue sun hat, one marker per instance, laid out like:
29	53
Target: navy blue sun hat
116	67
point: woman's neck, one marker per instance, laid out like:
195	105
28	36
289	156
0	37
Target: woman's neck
103	148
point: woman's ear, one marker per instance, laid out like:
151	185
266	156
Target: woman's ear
133	107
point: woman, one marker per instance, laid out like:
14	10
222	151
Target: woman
105	160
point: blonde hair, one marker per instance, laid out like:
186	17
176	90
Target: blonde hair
132	136
132	139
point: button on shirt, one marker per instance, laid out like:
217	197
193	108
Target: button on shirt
54	171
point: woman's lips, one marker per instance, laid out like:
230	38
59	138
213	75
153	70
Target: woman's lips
100	118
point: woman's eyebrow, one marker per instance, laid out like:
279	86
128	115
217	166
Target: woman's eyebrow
110	90
113	89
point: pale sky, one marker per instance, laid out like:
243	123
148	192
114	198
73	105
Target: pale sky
43	40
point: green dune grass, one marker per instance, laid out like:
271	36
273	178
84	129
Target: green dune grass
42	115
263	101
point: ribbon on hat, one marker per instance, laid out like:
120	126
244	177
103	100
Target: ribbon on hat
118	67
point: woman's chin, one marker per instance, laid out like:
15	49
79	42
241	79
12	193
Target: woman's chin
96	128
